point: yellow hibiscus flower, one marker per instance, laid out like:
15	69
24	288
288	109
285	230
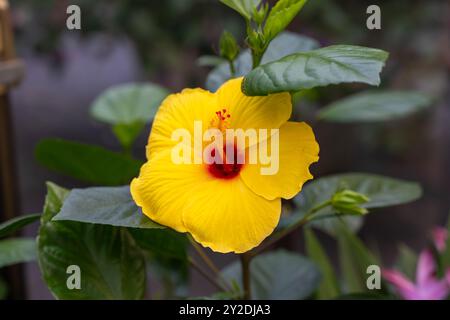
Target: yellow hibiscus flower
227	207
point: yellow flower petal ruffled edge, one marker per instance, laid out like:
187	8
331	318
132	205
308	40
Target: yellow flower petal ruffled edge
298	149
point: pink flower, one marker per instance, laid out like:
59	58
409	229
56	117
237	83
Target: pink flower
427	286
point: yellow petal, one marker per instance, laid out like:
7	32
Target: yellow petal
163	189
298	149
177	111
253	112
226	216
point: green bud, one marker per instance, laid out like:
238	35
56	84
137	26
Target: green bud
259	15
256	41
349	202
229	48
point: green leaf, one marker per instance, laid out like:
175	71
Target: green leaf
127	133
328	288
54	200
280	16
407	261
128	104
111	265
244	7
284	44
127	108
375	106
15	224
382	192
17	250
104	205
278	275
331	65
354	258
87	162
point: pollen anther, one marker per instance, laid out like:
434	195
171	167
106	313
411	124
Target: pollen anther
221	120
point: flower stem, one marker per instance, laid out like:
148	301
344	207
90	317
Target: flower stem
200	270
204	257
280	235
245	263
232	68
256	57
209	263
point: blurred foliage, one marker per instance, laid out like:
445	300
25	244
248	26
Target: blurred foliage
157	26
3	289
158	30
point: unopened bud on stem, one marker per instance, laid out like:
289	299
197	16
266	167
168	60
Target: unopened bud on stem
349	202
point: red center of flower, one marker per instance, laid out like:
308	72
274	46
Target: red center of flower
224	170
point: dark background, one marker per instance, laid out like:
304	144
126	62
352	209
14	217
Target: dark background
126	41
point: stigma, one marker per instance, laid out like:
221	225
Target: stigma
223	169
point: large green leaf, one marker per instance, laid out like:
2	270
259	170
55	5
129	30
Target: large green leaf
329	287
280	16
111	265
278	275
17	250
382	192
243	7
15	224
321	67
87	162
354	258
375	106
284	44
104	205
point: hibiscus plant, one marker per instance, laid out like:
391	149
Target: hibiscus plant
119	236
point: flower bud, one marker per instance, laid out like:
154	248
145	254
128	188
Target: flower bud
259	15
229	48
348	202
